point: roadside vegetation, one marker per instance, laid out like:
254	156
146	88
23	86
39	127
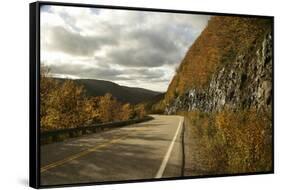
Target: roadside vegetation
65	105
228	142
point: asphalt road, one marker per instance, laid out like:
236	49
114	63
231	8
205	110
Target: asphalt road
141	151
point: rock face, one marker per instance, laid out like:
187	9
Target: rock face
245	83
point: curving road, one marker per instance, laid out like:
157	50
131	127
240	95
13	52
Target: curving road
146	150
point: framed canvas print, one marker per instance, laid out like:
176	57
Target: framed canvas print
123	94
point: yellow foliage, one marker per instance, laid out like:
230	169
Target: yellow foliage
127	112
230	142
63	104
140	110
219	43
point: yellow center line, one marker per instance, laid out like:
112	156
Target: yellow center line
80	154
83	153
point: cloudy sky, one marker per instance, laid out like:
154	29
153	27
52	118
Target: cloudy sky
132	48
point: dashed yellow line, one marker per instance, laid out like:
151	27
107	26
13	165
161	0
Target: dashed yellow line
85	152
80	154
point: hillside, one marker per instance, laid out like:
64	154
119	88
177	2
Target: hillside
123	94
224	89
226	43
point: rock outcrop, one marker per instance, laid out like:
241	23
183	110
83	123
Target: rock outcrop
245	83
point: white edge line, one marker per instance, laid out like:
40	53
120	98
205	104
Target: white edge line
168	153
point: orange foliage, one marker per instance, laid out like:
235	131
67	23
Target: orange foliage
64	104
230	142
218	44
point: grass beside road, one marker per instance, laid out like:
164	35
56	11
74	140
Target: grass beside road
228	142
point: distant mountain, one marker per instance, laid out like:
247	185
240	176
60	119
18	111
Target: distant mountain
124	94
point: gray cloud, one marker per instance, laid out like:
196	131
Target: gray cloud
46	8
145	74
105	73
150	48
77	70
116	45
141	58
74	43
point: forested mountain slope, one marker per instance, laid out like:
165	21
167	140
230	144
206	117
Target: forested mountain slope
224	89
123	94
229	65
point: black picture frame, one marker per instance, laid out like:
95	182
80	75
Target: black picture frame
34	93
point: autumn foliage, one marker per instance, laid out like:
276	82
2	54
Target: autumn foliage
219	43
64	104
229	142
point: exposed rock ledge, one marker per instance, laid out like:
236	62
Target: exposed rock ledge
245	83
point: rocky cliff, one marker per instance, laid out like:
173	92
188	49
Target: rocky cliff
245	82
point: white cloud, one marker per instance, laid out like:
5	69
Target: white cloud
126	42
